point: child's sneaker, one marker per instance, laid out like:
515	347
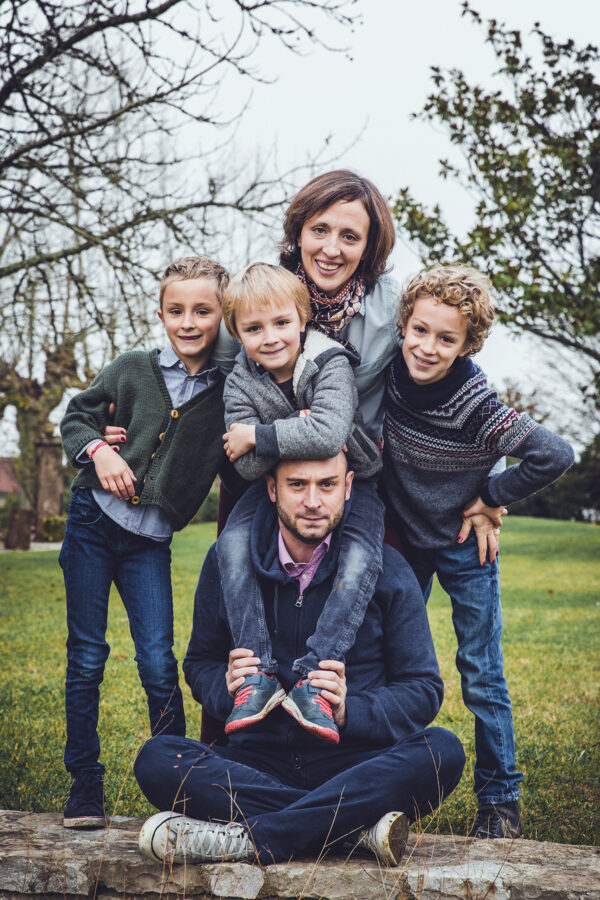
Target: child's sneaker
497	820
258	695
386	839
310	708
85	805
175	838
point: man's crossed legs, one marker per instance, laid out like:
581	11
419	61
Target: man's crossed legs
295	803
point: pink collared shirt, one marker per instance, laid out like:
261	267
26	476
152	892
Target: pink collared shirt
304	572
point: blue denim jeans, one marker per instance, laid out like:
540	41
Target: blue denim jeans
474	591
95	552
359	566
296	802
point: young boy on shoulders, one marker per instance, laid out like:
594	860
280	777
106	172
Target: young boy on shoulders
126	505
291	395
444	430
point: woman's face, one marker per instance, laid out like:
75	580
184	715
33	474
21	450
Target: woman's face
332	244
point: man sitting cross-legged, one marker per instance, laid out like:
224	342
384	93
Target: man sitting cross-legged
275	790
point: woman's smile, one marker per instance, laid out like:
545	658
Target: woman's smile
332	244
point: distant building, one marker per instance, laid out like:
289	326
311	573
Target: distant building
9	483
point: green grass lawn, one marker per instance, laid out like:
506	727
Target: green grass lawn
551	602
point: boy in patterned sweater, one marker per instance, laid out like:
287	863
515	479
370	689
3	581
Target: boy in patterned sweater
126	505
444	431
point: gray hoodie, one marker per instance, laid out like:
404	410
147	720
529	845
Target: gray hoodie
323	382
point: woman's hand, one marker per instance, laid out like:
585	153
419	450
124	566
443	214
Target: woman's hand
242	662
486	521
114	434
331	679
114	473
486	534
239	440
494	513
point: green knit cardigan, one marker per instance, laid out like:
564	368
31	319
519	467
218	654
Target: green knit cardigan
175	454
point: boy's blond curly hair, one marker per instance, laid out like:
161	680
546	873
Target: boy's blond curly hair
461	286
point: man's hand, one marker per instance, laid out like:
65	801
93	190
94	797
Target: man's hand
331	679
242	662
239	439
114	473
114	434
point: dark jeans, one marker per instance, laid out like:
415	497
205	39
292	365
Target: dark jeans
95	552
360	563
295	803
477	616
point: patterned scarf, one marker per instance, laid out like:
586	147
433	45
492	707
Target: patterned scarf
330	314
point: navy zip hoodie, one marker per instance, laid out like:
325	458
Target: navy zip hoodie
393	680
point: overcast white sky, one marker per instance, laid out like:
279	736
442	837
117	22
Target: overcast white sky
384	77
373	88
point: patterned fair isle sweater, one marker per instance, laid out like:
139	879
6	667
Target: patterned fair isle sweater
442	439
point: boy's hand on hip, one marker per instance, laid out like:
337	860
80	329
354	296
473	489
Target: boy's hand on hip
239	440
330	678
114	473
242	662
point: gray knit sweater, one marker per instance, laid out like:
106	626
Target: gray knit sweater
324	383
442	440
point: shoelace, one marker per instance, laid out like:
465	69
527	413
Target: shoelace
324	705
243	694
213	840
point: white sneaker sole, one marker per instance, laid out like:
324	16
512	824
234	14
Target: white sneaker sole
147	844
389	839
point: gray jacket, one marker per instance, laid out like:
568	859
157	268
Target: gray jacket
372	331
324	383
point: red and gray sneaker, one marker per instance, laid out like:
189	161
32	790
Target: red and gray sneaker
310	708
258	695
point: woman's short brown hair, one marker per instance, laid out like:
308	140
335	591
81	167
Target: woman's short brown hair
321	193
461	286
262	285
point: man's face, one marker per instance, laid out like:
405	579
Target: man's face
310	496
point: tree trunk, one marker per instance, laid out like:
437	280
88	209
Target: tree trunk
49	484
18	536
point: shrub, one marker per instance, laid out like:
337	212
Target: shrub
209	510
53	529
12	501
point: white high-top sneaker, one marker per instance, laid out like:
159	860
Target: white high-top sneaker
172	837
386	839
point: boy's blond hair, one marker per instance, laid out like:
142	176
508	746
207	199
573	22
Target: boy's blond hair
461	286
260	285
190	267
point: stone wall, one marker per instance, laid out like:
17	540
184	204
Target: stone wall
39	858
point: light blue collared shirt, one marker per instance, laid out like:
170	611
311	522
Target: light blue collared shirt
149	520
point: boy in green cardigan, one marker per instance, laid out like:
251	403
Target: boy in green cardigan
126	506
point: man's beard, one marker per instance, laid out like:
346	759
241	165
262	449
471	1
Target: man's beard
312	539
